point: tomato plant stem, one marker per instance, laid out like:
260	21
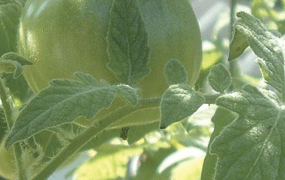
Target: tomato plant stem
90	133
232	16
8	111
233	65
7	105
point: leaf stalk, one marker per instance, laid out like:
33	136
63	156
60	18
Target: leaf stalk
90	133
9	114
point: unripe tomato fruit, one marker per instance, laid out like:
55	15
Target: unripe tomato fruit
65	36
7	167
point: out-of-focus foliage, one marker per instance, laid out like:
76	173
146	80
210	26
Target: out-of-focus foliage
270	12
157	155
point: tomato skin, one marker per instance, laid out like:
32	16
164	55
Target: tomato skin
65	36
7	165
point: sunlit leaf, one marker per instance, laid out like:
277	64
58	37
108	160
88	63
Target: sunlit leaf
179	102
221	119
266	45
128	93
62	102
251	147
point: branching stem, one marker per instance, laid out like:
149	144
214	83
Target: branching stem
8	110
90	133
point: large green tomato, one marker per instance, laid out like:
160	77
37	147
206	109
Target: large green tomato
65	36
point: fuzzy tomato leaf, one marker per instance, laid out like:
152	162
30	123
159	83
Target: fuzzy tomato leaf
68	131
219	78
128	42
175	72
268	46
252	147
8	66
221	119
129	93
16	57
60	103
178	102
13	63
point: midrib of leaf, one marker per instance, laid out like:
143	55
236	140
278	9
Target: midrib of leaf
185	96
268	46
128	44
263	144
278	117
283	52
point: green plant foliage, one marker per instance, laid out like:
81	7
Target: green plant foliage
254	139
238	45
111	162
247	145
219	78
9	20
267	46
221	119
138	132
175	73
166	129
49	109
175	101
211	55
126	35
10	11
3	125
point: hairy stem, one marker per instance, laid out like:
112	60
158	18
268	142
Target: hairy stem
7	105
233	65
90	133
8	110
232	16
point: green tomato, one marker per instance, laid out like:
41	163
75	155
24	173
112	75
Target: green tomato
65	36
7	167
